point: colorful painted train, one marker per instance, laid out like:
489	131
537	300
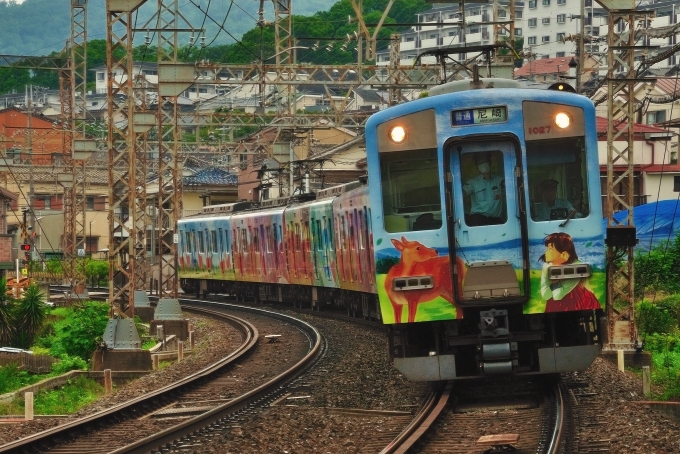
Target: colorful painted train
478	242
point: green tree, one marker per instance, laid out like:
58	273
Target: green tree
97	270
7	304
78	332
30	316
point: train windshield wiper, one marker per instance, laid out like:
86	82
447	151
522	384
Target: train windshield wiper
571	215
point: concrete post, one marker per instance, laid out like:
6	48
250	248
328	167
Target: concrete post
620	362
28	406
191	340
160	335
180	351
108	384
154	360
646	381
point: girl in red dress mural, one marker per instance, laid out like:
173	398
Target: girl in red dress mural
564	294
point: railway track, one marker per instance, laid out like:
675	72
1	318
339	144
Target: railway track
533	415
448	421
179	414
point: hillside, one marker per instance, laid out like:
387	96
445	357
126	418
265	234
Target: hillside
38	27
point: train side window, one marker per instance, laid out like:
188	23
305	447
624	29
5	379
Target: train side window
329	233
410	187
297	237
352	238
319	239
558	181
483	188
201	243
362	236
213	234
189	243
256	240
244	241
269	239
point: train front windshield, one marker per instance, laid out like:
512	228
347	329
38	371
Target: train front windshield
411	193
558	183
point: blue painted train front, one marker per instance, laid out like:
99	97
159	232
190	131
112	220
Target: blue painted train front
489	212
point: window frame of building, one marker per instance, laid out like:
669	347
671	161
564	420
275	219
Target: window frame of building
546	2
545	39
518	32
560	54
532	22
518	14
560	36
531	40
561	18
545	21
533	4
561	2
656	116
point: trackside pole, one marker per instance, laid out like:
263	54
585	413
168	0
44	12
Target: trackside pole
28	406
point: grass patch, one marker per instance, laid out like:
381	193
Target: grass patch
11	378
64	400
163	364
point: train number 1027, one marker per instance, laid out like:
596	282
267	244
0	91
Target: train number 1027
537	130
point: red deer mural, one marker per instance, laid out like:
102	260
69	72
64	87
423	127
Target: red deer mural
420	260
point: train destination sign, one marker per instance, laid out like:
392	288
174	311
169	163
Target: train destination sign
479	116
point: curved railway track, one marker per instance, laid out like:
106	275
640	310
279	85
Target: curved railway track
104	431
187	414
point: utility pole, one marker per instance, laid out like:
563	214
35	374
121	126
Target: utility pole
173	78
124	174
621	329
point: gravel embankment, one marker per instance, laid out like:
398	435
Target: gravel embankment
356	373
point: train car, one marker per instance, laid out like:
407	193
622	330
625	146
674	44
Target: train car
487	231
478	242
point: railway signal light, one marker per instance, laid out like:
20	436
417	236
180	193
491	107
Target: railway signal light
25	247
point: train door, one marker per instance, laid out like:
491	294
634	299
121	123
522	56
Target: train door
487	220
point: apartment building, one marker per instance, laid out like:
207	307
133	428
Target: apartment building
544	26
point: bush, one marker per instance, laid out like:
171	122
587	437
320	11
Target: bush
78	333
656	270
652	319
68	363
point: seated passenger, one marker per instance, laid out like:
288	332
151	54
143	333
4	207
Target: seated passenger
550	207
426	221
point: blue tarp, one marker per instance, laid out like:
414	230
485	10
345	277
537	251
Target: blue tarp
655	223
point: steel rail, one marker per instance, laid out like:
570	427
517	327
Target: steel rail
191	426
427	415
556	439
40	441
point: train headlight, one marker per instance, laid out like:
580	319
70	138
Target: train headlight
562	120
398	134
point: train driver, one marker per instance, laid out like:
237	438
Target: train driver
486	194
550	207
